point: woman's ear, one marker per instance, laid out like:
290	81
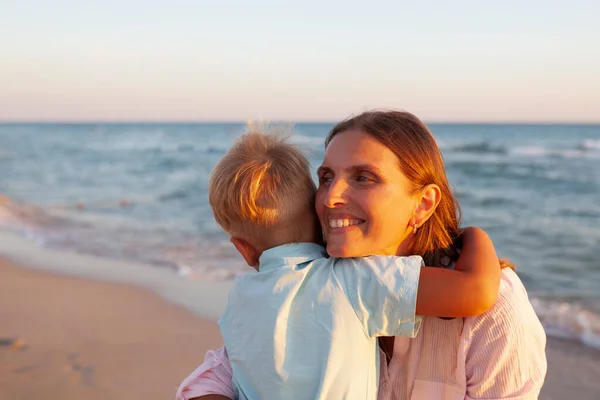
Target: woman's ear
250	253
427	203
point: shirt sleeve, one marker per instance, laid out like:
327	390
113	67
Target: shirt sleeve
213	376
383	292
506	356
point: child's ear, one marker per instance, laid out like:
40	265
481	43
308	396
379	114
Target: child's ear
247	250
428	202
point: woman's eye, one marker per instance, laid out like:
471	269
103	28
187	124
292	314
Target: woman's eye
325	179
363	179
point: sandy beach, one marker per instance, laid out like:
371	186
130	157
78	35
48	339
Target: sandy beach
65	337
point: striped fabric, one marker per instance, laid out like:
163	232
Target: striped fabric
497	355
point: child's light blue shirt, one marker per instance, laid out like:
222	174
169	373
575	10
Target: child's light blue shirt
306	326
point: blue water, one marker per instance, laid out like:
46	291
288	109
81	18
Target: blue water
139	192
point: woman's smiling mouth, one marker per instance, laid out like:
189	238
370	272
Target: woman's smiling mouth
336	223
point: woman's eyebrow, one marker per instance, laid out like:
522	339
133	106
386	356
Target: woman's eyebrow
363	167
323	169
353	168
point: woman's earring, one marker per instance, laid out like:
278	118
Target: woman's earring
415	227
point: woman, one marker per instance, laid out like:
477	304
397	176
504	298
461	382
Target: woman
384	171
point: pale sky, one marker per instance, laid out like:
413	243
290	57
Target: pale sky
308	60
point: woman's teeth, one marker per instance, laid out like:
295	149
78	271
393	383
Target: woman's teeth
342	223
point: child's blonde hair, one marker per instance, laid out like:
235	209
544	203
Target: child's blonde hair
262	186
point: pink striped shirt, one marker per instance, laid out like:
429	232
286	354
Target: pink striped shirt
497	355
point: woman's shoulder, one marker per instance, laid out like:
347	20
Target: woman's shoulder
512	312
512	292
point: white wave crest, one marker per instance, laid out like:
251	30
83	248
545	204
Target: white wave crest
536	151
308	140
591	144
568	320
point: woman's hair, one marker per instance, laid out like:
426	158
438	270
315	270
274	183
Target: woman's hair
420	159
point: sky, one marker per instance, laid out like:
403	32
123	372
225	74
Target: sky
496	61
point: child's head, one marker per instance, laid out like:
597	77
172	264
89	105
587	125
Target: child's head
262	194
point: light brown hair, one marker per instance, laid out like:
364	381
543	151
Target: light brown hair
421	161
262	187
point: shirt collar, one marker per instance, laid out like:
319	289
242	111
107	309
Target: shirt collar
290	254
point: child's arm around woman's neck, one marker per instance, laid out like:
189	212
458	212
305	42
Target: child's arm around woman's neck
470	289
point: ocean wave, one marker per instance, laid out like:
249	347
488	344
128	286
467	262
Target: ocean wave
581	151
477	148
569	319
588	148
587	214
207	272
126	141
23	217
178	194
216	149
83	228
170	163
590	144
310	141
154	145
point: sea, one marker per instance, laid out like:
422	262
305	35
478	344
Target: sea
139	192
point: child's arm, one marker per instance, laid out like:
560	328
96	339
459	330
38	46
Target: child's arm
469	290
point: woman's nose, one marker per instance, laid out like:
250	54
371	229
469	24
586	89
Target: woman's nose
336	193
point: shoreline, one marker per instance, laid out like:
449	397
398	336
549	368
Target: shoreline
187	293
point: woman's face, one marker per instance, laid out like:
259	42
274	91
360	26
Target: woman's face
363	201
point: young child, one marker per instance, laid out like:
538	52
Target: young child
305	326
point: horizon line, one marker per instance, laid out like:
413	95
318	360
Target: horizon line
299	121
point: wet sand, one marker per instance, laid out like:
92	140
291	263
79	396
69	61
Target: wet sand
573	371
